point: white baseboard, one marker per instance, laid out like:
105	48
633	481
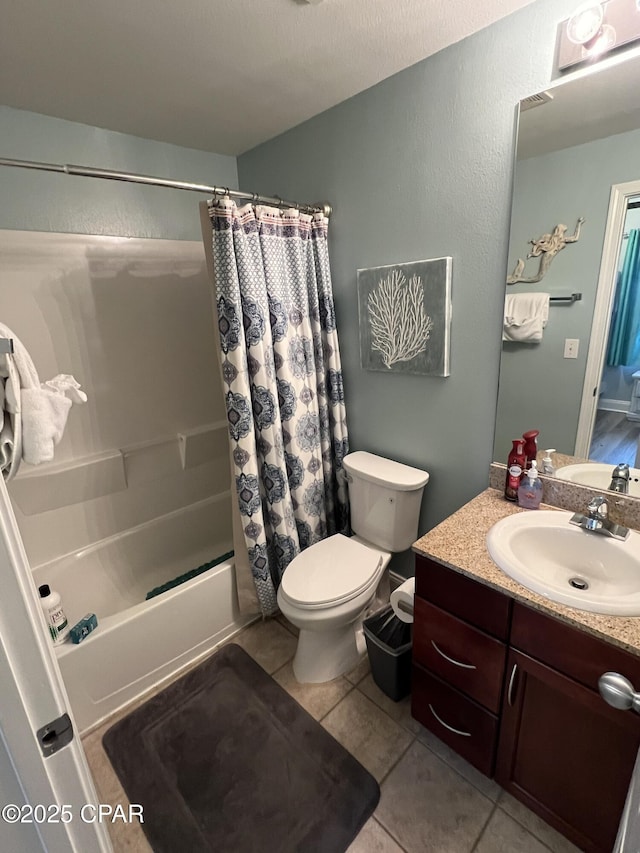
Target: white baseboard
607	405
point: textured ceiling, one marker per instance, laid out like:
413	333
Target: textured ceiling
220	75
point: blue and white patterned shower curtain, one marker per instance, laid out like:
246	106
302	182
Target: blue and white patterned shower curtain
282	382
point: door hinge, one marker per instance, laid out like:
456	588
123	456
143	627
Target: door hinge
55	735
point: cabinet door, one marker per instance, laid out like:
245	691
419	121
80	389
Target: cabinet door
565	753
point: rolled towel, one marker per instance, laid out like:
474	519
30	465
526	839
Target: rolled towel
39	410
525	317
44	418
11	418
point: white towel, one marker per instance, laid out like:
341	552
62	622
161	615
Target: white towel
525	316
34	414
10	417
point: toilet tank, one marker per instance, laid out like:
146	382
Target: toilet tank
385	499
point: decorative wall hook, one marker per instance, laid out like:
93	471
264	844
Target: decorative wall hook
545	248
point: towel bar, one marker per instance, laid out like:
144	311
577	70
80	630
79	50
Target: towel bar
574	297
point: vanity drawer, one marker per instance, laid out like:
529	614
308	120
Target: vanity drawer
462	655
470	600
458	721
575	653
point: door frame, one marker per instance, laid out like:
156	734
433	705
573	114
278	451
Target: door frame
33	695
605	294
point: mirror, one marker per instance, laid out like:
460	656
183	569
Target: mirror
572	149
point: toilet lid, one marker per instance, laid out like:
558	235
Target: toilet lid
331	571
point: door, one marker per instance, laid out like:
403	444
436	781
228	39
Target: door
33	696
620	195
565	753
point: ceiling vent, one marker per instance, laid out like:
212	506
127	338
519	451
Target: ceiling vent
535	100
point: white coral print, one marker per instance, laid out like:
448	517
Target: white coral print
400	327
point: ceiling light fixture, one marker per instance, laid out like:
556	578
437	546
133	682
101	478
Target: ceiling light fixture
595	28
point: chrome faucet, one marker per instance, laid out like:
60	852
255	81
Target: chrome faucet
597	519
620	479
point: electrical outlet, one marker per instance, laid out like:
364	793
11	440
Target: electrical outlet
571	347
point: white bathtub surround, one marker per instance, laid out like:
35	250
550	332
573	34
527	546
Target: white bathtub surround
139	643
42	408
118	513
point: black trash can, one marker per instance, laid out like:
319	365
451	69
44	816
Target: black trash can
389	647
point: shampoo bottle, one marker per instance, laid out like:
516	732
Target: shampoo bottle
515	467
530	490
53	613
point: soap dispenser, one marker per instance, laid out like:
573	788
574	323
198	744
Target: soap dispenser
547	462
530	489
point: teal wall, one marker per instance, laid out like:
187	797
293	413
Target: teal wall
538	387
43	201
420	166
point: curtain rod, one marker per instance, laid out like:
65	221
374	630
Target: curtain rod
107	174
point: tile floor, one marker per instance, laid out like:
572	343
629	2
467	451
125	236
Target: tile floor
432	801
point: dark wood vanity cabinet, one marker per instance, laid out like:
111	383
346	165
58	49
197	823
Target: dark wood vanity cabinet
459	655
514	691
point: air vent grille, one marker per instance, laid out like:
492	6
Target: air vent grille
535	100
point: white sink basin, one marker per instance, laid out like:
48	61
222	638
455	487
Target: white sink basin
544	552
597	475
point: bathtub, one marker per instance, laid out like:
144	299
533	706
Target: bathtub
139	643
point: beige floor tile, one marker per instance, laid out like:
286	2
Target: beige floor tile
268	643
504	835
368	733
282	620
125	837
428	807
317	699
372	838
356	675
487	786
538	827
399	711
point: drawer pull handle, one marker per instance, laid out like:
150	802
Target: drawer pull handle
442	723
451	660
511	682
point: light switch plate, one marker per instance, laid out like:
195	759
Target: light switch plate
571	347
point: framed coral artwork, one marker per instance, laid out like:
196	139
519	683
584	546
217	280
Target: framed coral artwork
405	317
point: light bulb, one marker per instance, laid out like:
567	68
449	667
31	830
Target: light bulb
585	23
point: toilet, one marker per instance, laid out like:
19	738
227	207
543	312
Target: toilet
327	588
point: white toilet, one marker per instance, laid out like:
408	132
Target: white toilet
326	589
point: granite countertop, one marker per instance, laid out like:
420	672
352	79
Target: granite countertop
459	542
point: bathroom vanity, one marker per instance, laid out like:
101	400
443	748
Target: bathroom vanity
509	679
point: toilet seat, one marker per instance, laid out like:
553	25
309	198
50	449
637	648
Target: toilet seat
331	572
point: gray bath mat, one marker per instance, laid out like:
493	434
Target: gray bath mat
225	761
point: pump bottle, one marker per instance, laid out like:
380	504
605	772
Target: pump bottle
515	467
530	489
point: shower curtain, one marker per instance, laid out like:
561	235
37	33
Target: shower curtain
624	337
282	383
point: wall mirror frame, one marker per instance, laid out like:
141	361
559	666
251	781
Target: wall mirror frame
576	158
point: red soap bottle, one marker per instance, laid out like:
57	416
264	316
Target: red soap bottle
515	467
530	447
